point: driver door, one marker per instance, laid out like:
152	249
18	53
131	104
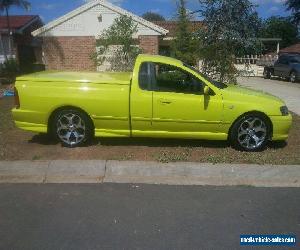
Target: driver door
180	107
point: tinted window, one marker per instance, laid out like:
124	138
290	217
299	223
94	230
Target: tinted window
283	60
295	59
168	78
217	84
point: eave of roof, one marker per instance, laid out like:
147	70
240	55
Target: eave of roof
92	4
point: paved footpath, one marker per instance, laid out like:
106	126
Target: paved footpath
289	92
123	216
185	173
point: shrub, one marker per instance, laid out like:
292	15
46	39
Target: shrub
10	68
117	45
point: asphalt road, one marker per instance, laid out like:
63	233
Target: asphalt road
287	91
113	216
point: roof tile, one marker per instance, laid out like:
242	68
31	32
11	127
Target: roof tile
292	49
16	22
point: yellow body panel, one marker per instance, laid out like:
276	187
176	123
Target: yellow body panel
119	108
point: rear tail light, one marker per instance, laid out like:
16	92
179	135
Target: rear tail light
17	99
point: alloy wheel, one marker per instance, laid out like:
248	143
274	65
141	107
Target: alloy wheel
293	77
71	129
252	133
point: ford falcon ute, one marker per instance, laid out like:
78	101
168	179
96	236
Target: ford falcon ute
162	98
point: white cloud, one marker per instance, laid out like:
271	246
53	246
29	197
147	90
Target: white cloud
156	10
49	6
280	1
115	2
273	9
262	2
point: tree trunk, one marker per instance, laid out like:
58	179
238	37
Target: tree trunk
9	33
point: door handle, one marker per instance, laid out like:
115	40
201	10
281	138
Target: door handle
165	102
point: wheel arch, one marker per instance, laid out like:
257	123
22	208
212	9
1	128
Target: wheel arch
269	68
66	107
293	70
249	113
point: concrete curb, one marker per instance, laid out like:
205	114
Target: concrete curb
148	172
75	172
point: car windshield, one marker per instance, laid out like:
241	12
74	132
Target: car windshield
217	84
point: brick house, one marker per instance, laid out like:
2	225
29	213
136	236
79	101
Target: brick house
293	49
69	41
24	47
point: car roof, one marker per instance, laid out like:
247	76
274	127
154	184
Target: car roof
158	58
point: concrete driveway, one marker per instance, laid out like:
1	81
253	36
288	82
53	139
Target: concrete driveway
289	92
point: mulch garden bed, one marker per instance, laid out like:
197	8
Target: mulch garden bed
16	144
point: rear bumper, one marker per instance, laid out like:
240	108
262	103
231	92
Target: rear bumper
28	120
281	127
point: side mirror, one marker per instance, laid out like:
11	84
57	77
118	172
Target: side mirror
206	90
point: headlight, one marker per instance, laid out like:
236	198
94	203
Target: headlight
284	110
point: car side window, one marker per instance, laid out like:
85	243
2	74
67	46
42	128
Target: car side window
295	59
168	78
283	60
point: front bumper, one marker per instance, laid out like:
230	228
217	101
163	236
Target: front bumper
281	127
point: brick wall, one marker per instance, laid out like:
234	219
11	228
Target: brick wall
74	53
69	53
149	44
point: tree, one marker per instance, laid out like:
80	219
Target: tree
185	43
117	45
230	29
294	6
151	16
279	27
5	6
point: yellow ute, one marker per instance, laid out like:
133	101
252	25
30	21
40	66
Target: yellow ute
161	98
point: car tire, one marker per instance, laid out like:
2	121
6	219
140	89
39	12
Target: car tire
250	133
73	128
267	74
293	77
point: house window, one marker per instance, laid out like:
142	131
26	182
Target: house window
100	18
